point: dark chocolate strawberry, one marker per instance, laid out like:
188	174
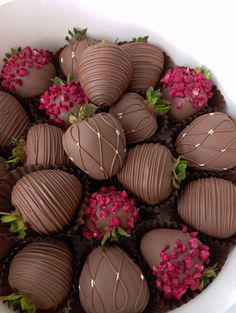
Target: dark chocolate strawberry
28	72
138	116
109	214
69	56
188	91
178	261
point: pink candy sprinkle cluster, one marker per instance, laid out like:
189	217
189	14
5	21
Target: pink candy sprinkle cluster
181	268
61	98
107	203
185	82
20	64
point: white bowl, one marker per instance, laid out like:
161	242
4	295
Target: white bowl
192	33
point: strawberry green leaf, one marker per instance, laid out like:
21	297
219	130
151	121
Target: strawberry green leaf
140	39
58	81
203	70
17	224
105	238
155	101
13	51
122	232
18	152
179	173
24	302
76	35
208	273
114	235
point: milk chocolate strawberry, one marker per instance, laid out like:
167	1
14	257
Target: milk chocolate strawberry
150	171
178	261
109	214
138	116
62	99
188	91
28	72
148	61
69	56
104	72
97	145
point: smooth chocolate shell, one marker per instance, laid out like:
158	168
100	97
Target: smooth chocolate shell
13	119
47	200
105	72
110	282
153	242
36	82
43	272
148	63
209	142
208	205
69	56
4	167
138	123
44	146
96	145
147	172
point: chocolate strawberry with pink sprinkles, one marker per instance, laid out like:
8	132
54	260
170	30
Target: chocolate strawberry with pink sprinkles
28	72
188	91
62	99
109	214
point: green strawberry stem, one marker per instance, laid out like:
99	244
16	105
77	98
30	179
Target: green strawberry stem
24	302
17	224
179	173
86	111
77	34
140	39
202	69
207	274
59	81
155	102
18	152
13	51
115	235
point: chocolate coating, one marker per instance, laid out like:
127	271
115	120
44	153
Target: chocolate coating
43	272
148	62
153	242
209	142
13	119
47	200
105	72
137	121
96	145
4	167
208	205
69	56
147	172
6	242
110	282
44	146
36	82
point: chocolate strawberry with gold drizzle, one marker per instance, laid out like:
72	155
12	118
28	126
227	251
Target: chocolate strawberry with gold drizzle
138	116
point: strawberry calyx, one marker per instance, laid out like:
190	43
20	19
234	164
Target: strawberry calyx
18	152
17	224
86	111
155	102
179	173
77	34
26	305
140	39
114	235
13	51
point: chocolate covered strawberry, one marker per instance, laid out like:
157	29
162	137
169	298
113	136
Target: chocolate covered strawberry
109	214
188	91
28	72
138	116
77	43
96	144
150	171
178	261
62	99
105	72
148	61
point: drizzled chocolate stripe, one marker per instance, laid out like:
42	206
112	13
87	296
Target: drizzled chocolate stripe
43	272
138	123
47	200
209	142
208	205
148	63
111	282
13	119
96	145
44	146
104	71
147	172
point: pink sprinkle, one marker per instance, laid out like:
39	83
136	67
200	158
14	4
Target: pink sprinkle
185	229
